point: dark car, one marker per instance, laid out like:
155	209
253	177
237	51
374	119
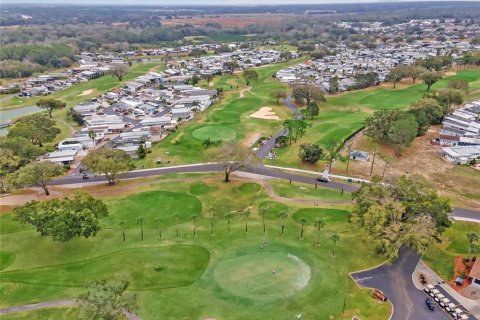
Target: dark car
430	304
322	179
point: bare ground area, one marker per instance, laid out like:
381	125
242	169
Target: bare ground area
86	92
460	183
230	20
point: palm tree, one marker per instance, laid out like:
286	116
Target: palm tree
302	221
92	135
228	217
283	215
176	223
157	222
211	225
473	238
349	149
335	237
263	220
246	213
140	222
122	225
320	223
194	218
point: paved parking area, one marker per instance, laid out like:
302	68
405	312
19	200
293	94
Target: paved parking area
452	300
395	280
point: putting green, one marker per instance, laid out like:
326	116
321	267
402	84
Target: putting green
214	133
251	276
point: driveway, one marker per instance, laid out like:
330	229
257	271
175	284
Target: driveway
395	280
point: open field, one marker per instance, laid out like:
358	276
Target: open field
343	114
226	20
226	119
45	314
198	274
454	242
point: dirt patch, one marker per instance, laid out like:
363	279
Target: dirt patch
226	20
86	92
242	92
460	269
450	73
251	139
421	159
265	113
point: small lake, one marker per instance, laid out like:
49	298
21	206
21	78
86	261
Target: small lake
7	115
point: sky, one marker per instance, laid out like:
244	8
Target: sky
199	2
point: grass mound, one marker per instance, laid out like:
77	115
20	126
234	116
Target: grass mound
6	259
330	215
153	205
248	188
145	269
214	133
200	188
273	209
251	276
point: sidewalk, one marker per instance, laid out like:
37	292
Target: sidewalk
319	174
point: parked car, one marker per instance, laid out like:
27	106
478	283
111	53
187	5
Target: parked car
322	179
430	304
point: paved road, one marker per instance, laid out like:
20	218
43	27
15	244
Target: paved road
77	179
395	280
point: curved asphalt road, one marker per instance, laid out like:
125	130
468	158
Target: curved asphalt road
261	170
395	280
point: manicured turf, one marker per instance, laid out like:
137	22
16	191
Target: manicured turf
266	275
44	314
249	188
389	98
454	242
197	275
214	133
154	205
178	266
273	209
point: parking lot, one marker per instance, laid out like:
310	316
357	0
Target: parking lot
446	303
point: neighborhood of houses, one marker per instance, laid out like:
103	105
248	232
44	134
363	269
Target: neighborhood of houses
148	108
348	62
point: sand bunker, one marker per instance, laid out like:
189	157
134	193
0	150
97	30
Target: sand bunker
265	113
86	92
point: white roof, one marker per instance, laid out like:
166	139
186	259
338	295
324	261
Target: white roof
61	154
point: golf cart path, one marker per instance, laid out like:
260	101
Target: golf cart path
246	89
53	304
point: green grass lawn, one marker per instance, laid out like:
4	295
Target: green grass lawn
454	242
227	119
45	314
222	276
